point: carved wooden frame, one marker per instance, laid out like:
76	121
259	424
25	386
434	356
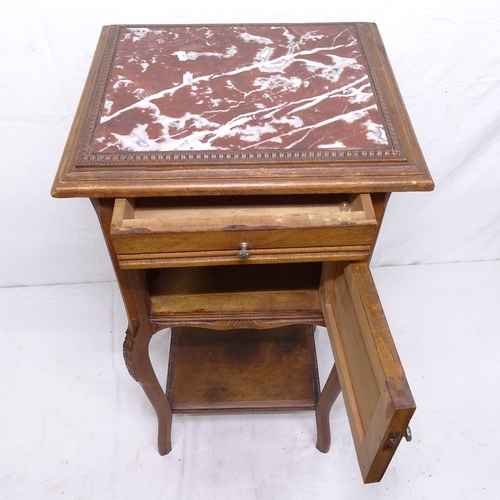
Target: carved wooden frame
399	167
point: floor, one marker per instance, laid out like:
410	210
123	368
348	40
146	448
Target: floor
74	425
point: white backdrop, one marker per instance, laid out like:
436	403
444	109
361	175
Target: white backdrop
446	57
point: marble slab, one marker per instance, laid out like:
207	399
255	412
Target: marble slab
254	87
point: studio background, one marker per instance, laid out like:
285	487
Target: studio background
446	58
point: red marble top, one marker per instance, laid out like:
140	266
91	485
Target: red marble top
238	88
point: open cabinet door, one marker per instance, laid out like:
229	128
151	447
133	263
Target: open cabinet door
377	396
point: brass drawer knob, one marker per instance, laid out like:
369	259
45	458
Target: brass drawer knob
243	252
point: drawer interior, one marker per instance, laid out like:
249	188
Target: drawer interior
232	213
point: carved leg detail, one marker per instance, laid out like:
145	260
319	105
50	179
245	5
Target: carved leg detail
128	347
136	354
136	345
328	395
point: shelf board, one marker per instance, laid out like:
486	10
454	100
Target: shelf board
230	291
242	370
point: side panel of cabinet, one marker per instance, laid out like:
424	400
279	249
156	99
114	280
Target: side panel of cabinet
377	396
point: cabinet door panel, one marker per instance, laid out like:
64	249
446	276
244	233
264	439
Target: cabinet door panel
377	396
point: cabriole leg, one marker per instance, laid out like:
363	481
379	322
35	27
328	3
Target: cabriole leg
328	395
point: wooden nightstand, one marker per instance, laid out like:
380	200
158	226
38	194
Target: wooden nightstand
240	175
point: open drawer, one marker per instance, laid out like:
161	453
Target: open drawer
377	396
173	232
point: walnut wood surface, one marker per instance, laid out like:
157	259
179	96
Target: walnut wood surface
262	295
377	396
163	233
139	332
329	394
242	370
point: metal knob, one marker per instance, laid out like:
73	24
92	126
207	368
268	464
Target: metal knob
408	435
243	252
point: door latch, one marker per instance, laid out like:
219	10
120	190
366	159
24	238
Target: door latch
393	438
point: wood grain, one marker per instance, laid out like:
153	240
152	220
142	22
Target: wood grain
163	232
242	370
378	400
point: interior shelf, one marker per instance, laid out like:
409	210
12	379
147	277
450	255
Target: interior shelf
271	290
242	370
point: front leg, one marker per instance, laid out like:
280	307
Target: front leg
136	354
139	333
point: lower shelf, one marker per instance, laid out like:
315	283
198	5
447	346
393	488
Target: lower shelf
242	370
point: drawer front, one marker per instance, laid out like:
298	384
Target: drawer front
147	233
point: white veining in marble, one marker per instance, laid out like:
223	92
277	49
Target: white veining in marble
256	87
